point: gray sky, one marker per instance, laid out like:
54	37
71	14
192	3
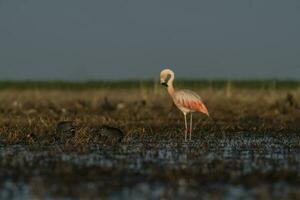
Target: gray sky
123	39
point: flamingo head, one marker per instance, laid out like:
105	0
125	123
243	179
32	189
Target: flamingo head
166	76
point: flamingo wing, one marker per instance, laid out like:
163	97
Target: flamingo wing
190	100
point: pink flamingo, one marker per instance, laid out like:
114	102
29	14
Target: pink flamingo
186	100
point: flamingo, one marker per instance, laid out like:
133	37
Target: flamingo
186	100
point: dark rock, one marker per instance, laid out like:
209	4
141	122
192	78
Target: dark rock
110	133
66	127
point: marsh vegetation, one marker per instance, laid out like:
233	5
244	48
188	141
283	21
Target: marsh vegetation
129	143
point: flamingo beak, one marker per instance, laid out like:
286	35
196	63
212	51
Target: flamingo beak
164	84
165	81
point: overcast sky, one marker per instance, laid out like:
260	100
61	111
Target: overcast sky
133	39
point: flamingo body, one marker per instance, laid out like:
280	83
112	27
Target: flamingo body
186	100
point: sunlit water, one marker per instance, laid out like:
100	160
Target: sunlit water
27	174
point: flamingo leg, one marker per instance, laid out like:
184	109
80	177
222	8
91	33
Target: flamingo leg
186	128
191	126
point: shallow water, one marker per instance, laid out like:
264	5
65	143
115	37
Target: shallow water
240	166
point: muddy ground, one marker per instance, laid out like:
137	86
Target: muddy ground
248	149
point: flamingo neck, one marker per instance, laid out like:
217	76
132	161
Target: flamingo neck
171	89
